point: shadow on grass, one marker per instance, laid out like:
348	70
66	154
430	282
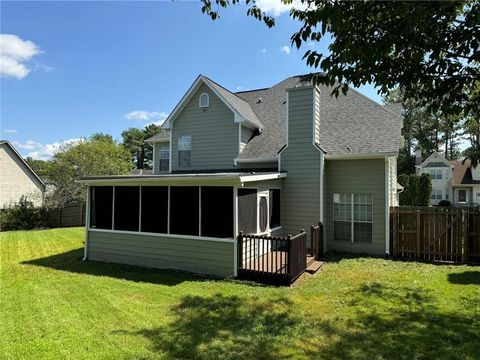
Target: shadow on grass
224	327
465	278
374	321
71	261
394	322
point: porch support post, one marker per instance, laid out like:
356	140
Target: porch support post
87	224
235	230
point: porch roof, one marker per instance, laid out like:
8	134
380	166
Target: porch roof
224	178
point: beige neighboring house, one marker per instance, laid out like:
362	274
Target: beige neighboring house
17	178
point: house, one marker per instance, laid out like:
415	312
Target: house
270	161
455	181
17	179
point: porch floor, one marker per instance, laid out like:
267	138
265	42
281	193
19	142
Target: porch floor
274	262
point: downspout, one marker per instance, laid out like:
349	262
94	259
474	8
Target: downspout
387	205
87	225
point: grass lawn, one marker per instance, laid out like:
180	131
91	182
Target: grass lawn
54	306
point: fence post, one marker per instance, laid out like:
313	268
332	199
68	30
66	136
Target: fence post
419	228
464	237
240	250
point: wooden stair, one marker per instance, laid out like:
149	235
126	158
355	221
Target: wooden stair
313	265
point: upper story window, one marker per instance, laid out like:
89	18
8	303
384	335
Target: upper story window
164	159
184	151
204	100
436	174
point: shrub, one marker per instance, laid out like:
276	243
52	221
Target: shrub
23	215
424	190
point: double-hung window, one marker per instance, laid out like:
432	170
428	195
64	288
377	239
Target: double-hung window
353	217
436	174
184	151
164	159
437	194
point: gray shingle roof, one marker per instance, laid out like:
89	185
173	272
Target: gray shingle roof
240	105
348	124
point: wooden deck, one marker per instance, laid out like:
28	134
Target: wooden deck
274	262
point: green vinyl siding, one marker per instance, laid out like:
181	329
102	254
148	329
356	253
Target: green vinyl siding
156	150
300	197
358	177
215	138
162	251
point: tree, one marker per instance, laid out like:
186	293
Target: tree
41	167
428	48
472	133
98	155
424	190
141	151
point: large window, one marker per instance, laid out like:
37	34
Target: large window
247	211
184	210
353	217
127	203
154	209
184	151
101	202
436	194
274	198
217	212
436	174
164	159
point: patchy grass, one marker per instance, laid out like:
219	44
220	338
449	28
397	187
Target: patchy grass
53	305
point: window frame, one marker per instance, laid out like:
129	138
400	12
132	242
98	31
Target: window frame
204	96
164	161
182	147
350	215
464	192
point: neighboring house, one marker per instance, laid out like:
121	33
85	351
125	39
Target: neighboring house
269	161
453	180
17	179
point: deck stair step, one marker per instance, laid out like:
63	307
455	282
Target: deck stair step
314	266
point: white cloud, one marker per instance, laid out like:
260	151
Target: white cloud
285	49
15	54
151	117
278	7
45	152
311	44
240	88
10	131
264	50
27	145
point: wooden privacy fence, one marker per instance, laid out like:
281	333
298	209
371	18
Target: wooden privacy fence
435	233
271	259
71	215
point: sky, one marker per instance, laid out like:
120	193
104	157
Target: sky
69	69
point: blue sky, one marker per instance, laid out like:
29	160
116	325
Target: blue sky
106	66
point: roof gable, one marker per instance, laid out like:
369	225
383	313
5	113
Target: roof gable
435	159
241	109
22	160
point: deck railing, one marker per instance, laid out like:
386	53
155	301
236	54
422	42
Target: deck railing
316	241
272	259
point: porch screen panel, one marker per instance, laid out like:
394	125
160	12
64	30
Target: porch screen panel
247	210
217	211
274	198
127	207
184	210
101	198
154	209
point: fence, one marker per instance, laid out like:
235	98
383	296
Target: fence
435	234
71	215
270	259
316	238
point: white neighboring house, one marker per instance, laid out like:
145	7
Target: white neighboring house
451	180
17	178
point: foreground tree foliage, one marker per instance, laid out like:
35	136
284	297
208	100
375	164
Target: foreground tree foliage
98	155
428	48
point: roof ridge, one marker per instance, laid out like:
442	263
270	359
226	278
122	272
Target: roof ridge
223	87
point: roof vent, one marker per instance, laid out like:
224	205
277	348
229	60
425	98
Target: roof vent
259	100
